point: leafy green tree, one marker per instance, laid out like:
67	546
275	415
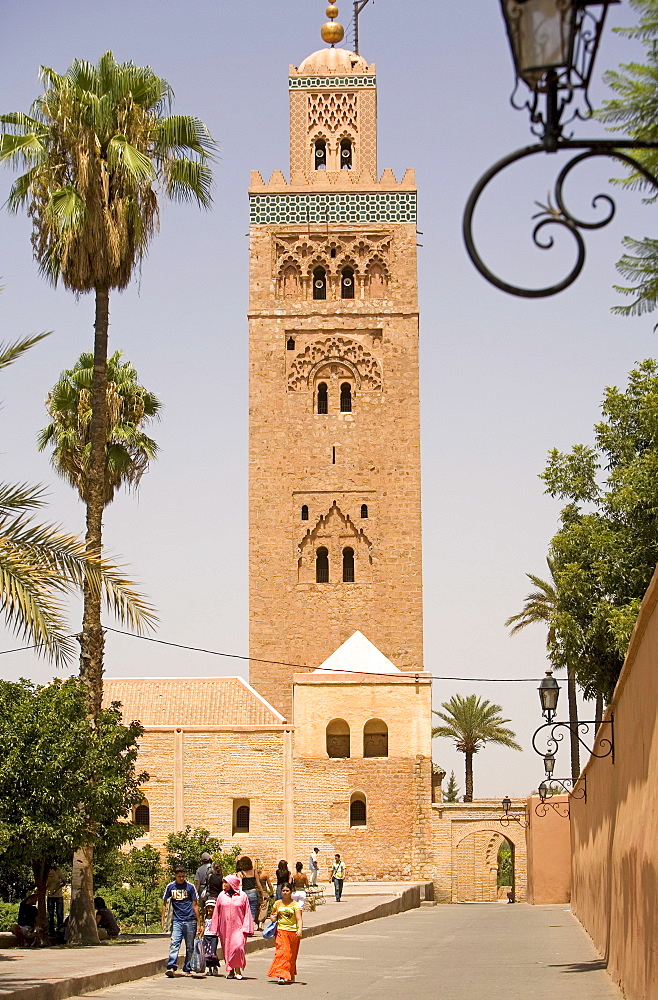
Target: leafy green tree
606	549
540	607
633	112
504	876
144	867
473	722
186	847
128	450
99	147
451	793
62	775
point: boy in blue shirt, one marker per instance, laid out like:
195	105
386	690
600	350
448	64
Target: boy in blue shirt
186	919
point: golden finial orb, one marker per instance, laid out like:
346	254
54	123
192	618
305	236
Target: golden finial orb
332	32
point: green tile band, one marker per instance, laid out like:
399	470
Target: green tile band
298	209
330	82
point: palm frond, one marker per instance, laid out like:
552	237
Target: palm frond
11	352
187	180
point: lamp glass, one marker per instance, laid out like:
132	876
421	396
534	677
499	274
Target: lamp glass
549	763
506	804
549	692
543	791
540	34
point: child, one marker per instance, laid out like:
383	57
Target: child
210	941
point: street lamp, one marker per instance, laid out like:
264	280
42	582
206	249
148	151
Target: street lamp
506	818
549	693
554	45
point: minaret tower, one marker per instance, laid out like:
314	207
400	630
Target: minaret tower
334	455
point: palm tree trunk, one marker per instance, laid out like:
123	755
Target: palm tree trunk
468	797
573	724
82	920
598	711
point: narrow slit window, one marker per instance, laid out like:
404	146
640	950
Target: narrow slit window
364	510
320	154
333	455
348	565
322	565
347	283
346	398
345	154
319	283
305	513
290	344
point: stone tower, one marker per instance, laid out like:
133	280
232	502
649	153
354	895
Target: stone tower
334	456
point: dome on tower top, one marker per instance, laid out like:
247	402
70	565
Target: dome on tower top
332	62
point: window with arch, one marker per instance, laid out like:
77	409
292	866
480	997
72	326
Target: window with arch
319	283
320	154
377	281
290	282
364	510
338	738
346	398
345	154
358	809
348	567
347	283
323	406
304	512
322	565
241	816
143	815
375	738
290	344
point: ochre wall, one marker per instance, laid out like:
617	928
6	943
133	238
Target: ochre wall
549	850
615	834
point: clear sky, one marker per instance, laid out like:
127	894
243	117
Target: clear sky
503	379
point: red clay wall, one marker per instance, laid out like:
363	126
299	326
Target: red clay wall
615	834
549	850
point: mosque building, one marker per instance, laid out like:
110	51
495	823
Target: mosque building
329	745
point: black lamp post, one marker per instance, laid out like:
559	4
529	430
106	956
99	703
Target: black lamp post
554	45
549	693
507	818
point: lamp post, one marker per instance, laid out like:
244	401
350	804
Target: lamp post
554	45
508	818
549	693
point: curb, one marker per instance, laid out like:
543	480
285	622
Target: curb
409	899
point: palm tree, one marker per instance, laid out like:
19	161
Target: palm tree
472	722
541	605
97	145
129	405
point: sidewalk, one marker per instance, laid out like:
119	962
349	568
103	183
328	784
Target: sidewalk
58	973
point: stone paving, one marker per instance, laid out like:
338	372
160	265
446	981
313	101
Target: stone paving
458	952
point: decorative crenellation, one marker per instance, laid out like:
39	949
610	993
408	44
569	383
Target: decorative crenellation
338	207
331	82
335	350
332	111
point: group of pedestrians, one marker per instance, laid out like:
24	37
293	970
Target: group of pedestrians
223	911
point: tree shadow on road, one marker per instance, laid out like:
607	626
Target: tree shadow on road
596	965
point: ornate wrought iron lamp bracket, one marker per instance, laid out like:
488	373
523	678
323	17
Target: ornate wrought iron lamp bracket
605	743
506	820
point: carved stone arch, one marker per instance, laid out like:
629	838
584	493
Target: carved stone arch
347	260
317	260
318	370
341	349
514	837
377	277
334	531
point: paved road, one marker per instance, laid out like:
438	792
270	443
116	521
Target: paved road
461	952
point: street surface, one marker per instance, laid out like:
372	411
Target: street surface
459	952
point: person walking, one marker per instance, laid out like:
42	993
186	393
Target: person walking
288	915
55	901
267	894
338	876
300	884
215	882
232	923
203	873
185	919
210	941
282	877
313	866
251	884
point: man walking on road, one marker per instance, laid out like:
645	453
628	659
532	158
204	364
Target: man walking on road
338	877
186	919
313	866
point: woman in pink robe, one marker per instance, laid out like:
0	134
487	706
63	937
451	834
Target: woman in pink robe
232	923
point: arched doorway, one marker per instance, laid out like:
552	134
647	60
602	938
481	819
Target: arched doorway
478	860
505	871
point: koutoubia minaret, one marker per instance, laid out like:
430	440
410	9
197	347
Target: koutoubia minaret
334	452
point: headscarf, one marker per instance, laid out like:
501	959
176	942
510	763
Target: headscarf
234	881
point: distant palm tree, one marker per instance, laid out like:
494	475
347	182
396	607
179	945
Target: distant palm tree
540	606
130	406
472	722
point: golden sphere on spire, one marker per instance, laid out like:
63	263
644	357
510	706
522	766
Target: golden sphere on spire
332	10
332	32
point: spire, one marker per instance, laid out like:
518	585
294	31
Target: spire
332	32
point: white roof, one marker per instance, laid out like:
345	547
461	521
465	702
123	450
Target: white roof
357	655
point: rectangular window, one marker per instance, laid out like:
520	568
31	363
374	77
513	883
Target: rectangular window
241	816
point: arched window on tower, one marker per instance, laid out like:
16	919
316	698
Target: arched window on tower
143	815
347	283
364	510
375	738
319	283
322	565
376	281
348	565
358	811
322	398
345	154
346	398
320	154
304	512
290	282
338	738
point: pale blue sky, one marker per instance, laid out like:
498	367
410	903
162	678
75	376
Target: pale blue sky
503	379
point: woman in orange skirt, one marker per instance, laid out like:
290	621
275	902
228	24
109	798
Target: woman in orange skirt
288	915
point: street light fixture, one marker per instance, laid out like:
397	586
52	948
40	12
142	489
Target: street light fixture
507	818
554	45
549	693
